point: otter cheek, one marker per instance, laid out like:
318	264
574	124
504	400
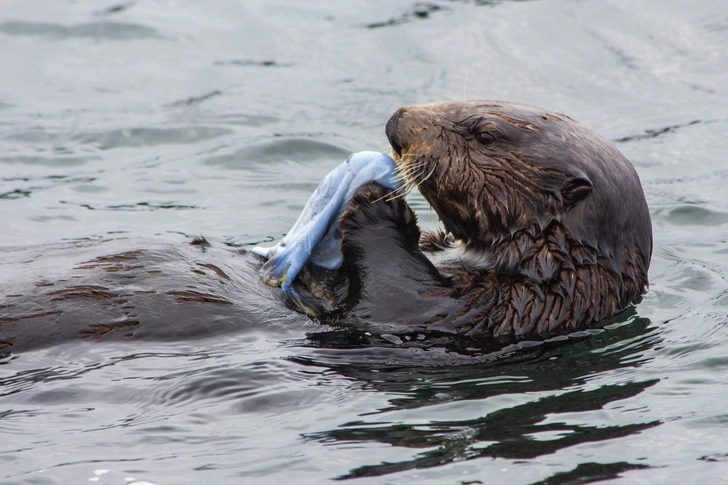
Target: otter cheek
463	222
452	215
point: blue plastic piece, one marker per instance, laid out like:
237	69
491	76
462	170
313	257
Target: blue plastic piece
314	237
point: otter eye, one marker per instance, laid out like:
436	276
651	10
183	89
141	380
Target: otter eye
485	138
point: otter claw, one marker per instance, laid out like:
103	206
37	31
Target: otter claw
315	235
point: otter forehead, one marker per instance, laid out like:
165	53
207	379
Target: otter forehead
540	133
464	109
462	112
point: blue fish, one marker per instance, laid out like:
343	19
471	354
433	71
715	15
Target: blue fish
315	238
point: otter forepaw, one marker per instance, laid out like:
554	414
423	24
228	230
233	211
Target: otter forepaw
371	193
436	241
375	207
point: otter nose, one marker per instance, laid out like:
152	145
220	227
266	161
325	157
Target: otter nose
392	134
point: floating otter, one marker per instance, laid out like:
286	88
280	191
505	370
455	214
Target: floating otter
546	230
546	227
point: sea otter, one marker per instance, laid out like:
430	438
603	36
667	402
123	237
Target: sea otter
546	230
546	226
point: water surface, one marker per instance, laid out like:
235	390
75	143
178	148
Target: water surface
174	118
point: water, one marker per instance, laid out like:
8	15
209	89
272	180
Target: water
174	118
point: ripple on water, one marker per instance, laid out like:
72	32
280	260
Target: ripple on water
692	215
277	151
94	30
89	189
693	278
49	161
243	119
11	421
689	280
135	137
220	383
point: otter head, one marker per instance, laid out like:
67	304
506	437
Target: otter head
495	171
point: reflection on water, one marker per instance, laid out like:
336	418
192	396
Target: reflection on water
556	375
516	433
155	119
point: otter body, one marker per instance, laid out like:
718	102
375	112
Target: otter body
546	231
546	226
130	289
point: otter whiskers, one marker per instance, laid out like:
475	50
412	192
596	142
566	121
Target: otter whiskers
408	174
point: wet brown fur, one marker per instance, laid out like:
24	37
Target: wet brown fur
546	229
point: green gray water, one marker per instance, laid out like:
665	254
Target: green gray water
174	118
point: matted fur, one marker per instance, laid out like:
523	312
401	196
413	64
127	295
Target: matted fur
546	227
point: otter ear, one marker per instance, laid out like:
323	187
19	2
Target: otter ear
575	189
